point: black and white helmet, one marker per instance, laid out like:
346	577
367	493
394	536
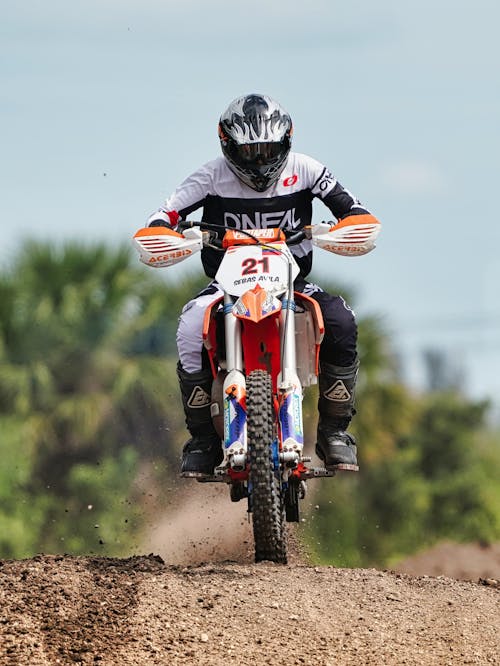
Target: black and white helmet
255	135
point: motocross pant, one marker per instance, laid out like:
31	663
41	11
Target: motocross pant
337	349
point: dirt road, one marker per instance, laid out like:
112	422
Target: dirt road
206	603
90	610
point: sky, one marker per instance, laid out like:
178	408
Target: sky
106	105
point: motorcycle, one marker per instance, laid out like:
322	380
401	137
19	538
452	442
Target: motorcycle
267	354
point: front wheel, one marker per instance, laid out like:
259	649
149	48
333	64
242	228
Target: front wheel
267	501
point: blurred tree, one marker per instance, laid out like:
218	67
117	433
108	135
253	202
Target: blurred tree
89	407
22	516
448	437
425	473
84	337
444	372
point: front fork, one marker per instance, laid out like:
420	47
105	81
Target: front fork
234	392
289	390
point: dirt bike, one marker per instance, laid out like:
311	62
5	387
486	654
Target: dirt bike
269	353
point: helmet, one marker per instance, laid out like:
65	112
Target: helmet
255	135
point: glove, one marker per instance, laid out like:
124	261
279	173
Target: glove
164	219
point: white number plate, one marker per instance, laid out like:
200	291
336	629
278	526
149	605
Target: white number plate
245	266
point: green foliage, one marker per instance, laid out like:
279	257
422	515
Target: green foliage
85	385
99	512
429	479
89	401
448	439
21	514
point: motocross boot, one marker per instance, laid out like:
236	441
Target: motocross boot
336	408
203	452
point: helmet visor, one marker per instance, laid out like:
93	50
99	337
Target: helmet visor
256	155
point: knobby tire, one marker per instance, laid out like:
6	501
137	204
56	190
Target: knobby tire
268	512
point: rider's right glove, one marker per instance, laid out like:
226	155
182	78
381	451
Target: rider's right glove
164	219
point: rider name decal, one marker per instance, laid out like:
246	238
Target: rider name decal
255	278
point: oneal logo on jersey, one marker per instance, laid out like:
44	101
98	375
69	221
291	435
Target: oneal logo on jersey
283	218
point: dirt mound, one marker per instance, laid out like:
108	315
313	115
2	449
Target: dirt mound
90	610
140	611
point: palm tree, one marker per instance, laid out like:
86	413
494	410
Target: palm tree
84	366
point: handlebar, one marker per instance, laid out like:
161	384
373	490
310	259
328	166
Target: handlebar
297	237
292	237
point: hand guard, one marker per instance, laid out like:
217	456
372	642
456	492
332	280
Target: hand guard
353	236
163	247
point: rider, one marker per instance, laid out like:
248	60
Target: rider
258	182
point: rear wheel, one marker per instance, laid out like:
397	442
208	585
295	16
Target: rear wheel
267	501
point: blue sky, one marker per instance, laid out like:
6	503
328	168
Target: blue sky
106	105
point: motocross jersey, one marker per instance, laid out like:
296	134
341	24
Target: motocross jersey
228	202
